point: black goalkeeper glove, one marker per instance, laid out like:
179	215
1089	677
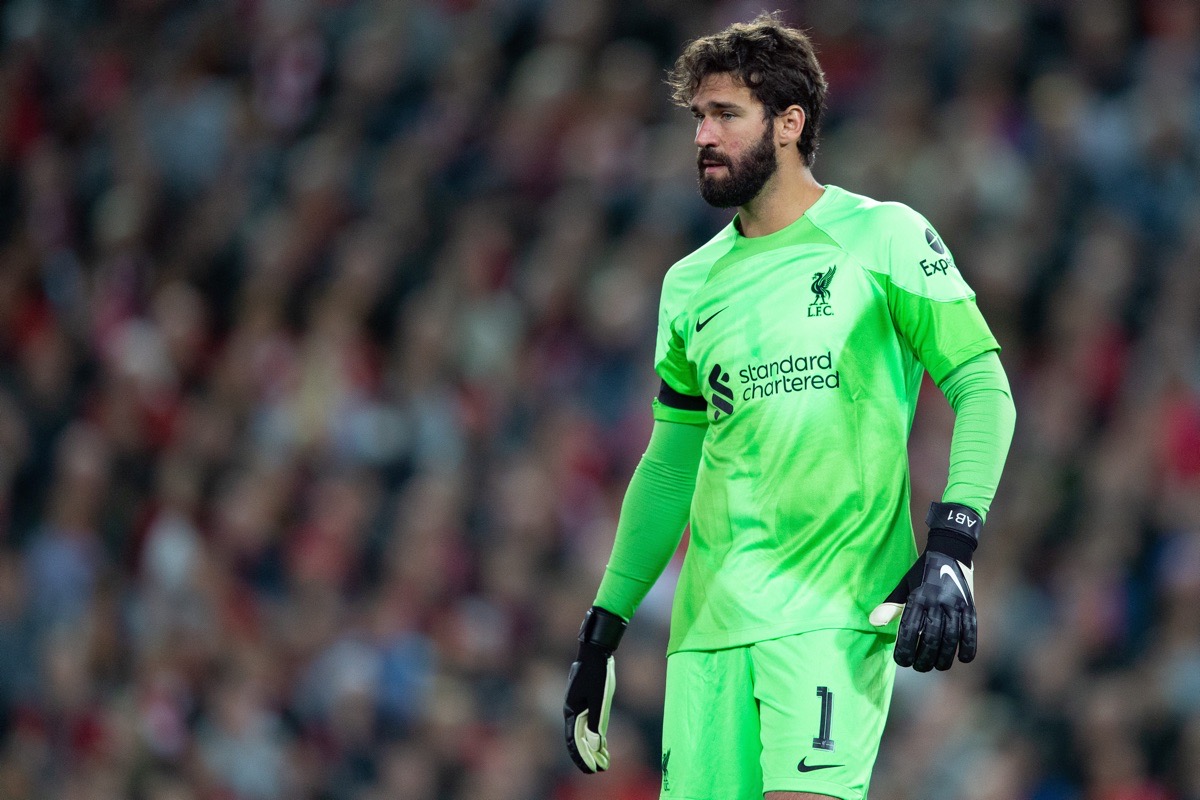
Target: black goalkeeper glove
590	686
937	595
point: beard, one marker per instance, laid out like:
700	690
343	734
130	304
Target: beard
746	178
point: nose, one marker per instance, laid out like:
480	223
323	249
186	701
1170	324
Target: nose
706	133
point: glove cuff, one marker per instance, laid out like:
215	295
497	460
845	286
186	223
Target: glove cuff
602	628
955	518
951	544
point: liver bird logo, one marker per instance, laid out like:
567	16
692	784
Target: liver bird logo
820	284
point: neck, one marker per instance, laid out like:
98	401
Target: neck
782	201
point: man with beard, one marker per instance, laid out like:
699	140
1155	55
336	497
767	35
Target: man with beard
791	349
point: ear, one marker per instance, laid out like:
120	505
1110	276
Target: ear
789	125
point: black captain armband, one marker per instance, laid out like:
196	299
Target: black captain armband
684	402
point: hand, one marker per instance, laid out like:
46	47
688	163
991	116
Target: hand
590	686
937	594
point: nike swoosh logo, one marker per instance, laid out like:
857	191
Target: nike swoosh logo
947	571
700	325
802	767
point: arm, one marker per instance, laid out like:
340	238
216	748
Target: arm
983	427
653	515
651	524
939	614
935	314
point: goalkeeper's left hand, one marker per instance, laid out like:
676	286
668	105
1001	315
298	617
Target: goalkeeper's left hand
937	595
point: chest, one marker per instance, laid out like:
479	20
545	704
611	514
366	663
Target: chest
783	312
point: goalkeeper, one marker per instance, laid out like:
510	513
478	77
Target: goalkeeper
791	349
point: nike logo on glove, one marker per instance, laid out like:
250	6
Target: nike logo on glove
802	767
946	570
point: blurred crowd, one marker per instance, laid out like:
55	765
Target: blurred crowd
326	341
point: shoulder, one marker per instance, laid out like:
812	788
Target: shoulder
690	272
852	218
895	241
884	236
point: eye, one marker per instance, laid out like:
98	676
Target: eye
727	115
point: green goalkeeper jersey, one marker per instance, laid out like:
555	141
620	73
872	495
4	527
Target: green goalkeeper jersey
808	346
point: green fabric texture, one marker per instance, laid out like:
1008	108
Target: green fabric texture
653	515
984	418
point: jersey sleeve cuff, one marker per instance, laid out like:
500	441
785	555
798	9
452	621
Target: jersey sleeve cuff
939	369
665	413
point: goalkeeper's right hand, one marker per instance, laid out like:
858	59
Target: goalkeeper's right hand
590	686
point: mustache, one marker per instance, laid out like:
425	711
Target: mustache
710	155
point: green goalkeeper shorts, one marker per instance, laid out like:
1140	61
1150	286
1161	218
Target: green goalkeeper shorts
802	714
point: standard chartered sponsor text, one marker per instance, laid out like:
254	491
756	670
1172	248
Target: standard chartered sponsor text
794	373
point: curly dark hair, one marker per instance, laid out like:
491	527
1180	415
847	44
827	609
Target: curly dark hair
777	63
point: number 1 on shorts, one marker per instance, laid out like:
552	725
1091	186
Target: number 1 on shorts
823	742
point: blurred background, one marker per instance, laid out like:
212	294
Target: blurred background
326	341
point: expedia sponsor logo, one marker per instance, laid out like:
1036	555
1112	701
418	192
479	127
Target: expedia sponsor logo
936	266
794	373
935	242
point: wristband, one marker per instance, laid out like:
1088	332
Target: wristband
602	628
955	518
